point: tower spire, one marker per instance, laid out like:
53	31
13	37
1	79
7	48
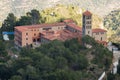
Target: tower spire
87	23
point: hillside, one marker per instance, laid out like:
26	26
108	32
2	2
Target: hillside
112	23
49	15
60	12
20	7
57	60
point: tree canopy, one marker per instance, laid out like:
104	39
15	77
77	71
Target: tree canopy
9	23
32	17
58	60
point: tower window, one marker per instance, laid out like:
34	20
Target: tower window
47	28
88	17
102	32
88	27
89	22
83	16
101	38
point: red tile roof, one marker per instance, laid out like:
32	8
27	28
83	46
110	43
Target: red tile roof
98	30
26	27
87	13
21	29
75	27
68	21
48	32
62	35
102	42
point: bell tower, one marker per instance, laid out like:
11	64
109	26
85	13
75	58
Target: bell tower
87	23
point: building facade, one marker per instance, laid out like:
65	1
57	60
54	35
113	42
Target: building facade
43	33
87	23
100	35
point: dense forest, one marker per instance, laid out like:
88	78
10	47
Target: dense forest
112	23
69	60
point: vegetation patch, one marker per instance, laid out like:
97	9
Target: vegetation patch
58	60
112	23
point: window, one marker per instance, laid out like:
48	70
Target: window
26	44
102	32
88	22
88	32
46	28
26	33
76	31
97	33
26	38
34	34
83	17
88	27
34	40
101	38
38	39
83	22
88	17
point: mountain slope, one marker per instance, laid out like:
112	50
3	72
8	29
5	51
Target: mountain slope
55	14
20	7
112	20
112	23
